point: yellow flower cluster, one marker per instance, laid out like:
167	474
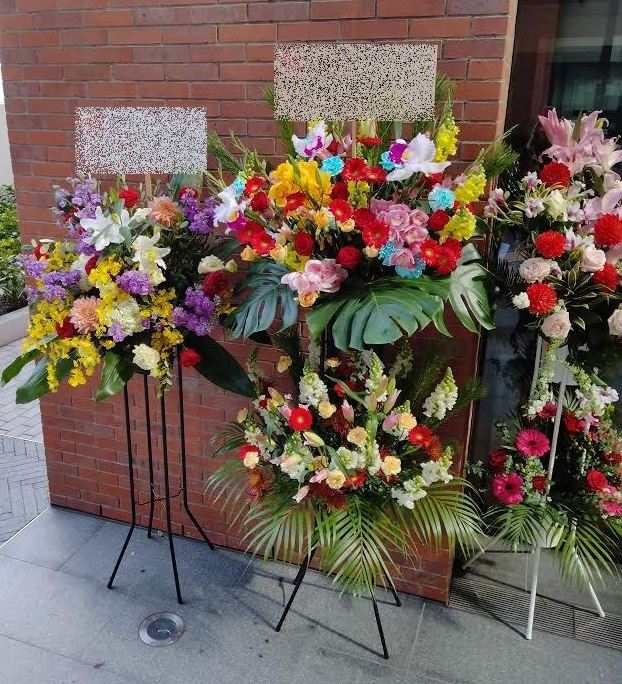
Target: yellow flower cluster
446	139
460	226
305	177
472	188
106	269
43	322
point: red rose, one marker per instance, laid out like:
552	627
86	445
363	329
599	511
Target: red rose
376	175
348	257
447	261
300	419
550	244
607	277
66	329
363	217
573	424
595	481
189	358
253	185
542	298
538	482
262	243
375	234
215	283
429	251
608	230
555	173
497	460
90	264
340	209
339	191
438	219
259	202
129	196
303	243
248	231
355	169
369	141
193	192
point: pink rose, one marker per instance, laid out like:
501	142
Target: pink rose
379	205
557	325
535	269
593	259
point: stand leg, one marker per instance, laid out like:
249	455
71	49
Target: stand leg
398	603
385	653
482	551
150	455
184	476
130	465
302	570
167	495
534	591
599	609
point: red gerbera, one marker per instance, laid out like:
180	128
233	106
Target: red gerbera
607	276
293	201
550	244
420	436
368	141
363	217
355	169
447	261
262	243
259	202
339	191
542	298
375	234
608	230
453	246
430	252
248	231
303	243
376	175
300	419
555	173
355	480
253	185
538	482
66	329
438	219
340	209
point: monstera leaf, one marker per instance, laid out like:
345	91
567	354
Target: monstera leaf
266	296
393	308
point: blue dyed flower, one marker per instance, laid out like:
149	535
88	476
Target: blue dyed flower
238	185
411	273
332	165
385	253
441	198
385	162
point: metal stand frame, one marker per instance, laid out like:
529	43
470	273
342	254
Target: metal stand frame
302	571
167	492
537	550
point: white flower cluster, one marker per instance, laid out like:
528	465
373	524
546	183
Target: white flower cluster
521	301
411	491
296	460
312	389
437	471
443	398
403	363
542	393
431	471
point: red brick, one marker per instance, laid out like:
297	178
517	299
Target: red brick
30	5
261	52
88	72
478	90
62	88
138	72
483	47
247	72
292	10
88	36
115	89
160	16
325	30
109	18
40	72
367	28
140	35
189	34
246	33
59	20
490	26
481	111
218	91
15	21
486	68
200	72
477	6
342	9
164	90
454	68
35	38
218	14
402	8
445	27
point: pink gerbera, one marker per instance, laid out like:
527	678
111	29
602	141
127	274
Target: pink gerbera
532	443
508	489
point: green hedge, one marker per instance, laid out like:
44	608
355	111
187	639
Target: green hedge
12	287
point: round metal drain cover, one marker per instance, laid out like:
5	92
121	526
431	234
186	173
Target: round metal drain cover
161	629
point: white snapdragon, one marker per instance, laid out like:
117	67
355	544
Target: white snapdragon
312	389
443	398
409	492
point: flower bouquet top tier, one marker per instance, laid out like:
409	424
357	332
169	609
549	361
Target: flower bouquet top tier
571	211
133	280
368	235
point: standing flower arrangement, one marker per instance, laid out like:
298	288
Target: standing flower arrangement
129	285
347	466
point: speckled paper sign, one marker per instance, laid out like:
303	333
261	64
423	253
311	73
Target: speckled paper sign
354	81
141	139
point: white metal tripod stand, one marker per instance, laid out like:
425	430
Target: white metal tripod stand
563	376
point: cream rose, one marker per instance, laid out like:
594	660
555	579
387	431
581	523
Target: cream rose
391	466
146	357
326	409
593	259
357	436
251	459
535	269
557	325
307	299
615	323
209	264
335	479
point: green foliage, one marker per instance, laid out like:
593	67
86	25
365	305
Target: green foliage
37	384
15	367
12	286
286	127
117	370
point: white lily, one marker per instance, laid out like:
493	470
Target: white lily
417	157
104	230
150	258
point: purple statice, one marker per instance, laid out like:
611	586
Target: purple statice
135	282
82	247
33	267
198	313
116	332
52	292
200	215
63	278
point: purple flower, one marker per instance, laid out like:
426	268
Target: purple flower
116	332
53	292
198	313
32	266
200	217
135	283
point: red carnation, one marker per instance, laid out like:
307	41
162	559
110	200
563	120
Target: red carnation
348	257
375	234
555	173
340	209
429	251
447	260
253	185
607	276
376	175
538	482
542	298
246	449
189	358
339	191
548	411
259	201
129	197
90	264
497	460
368	141
262	243
363	217
573	424
215	283
420	435
608	230
293	201
595	481
355	169
66	329
438	219
303	243
550	244
248	231
193	192
300	419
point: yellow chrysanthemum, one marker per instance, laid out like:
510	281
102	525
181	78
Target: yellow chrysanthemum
472	188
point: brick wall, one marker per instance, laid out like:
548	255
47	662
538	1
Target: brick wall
60	54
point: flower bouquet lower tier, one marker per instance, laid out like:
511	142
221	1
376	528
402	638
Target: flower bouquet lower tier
347	467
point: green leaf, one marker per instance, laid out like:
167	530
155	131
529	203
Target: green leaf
265	296
225	248
37	384
219	367
15	367
467	293
382	314
116	373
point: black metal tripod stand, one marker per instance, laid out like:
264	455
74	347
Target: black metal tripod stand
167	493
302	570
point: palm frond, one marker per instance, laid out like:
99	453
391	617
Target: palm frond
228	486
422	381
521	524
228	439
227	161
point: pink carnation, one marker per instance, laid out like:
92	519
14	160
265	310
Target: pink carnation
508	489
532	443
